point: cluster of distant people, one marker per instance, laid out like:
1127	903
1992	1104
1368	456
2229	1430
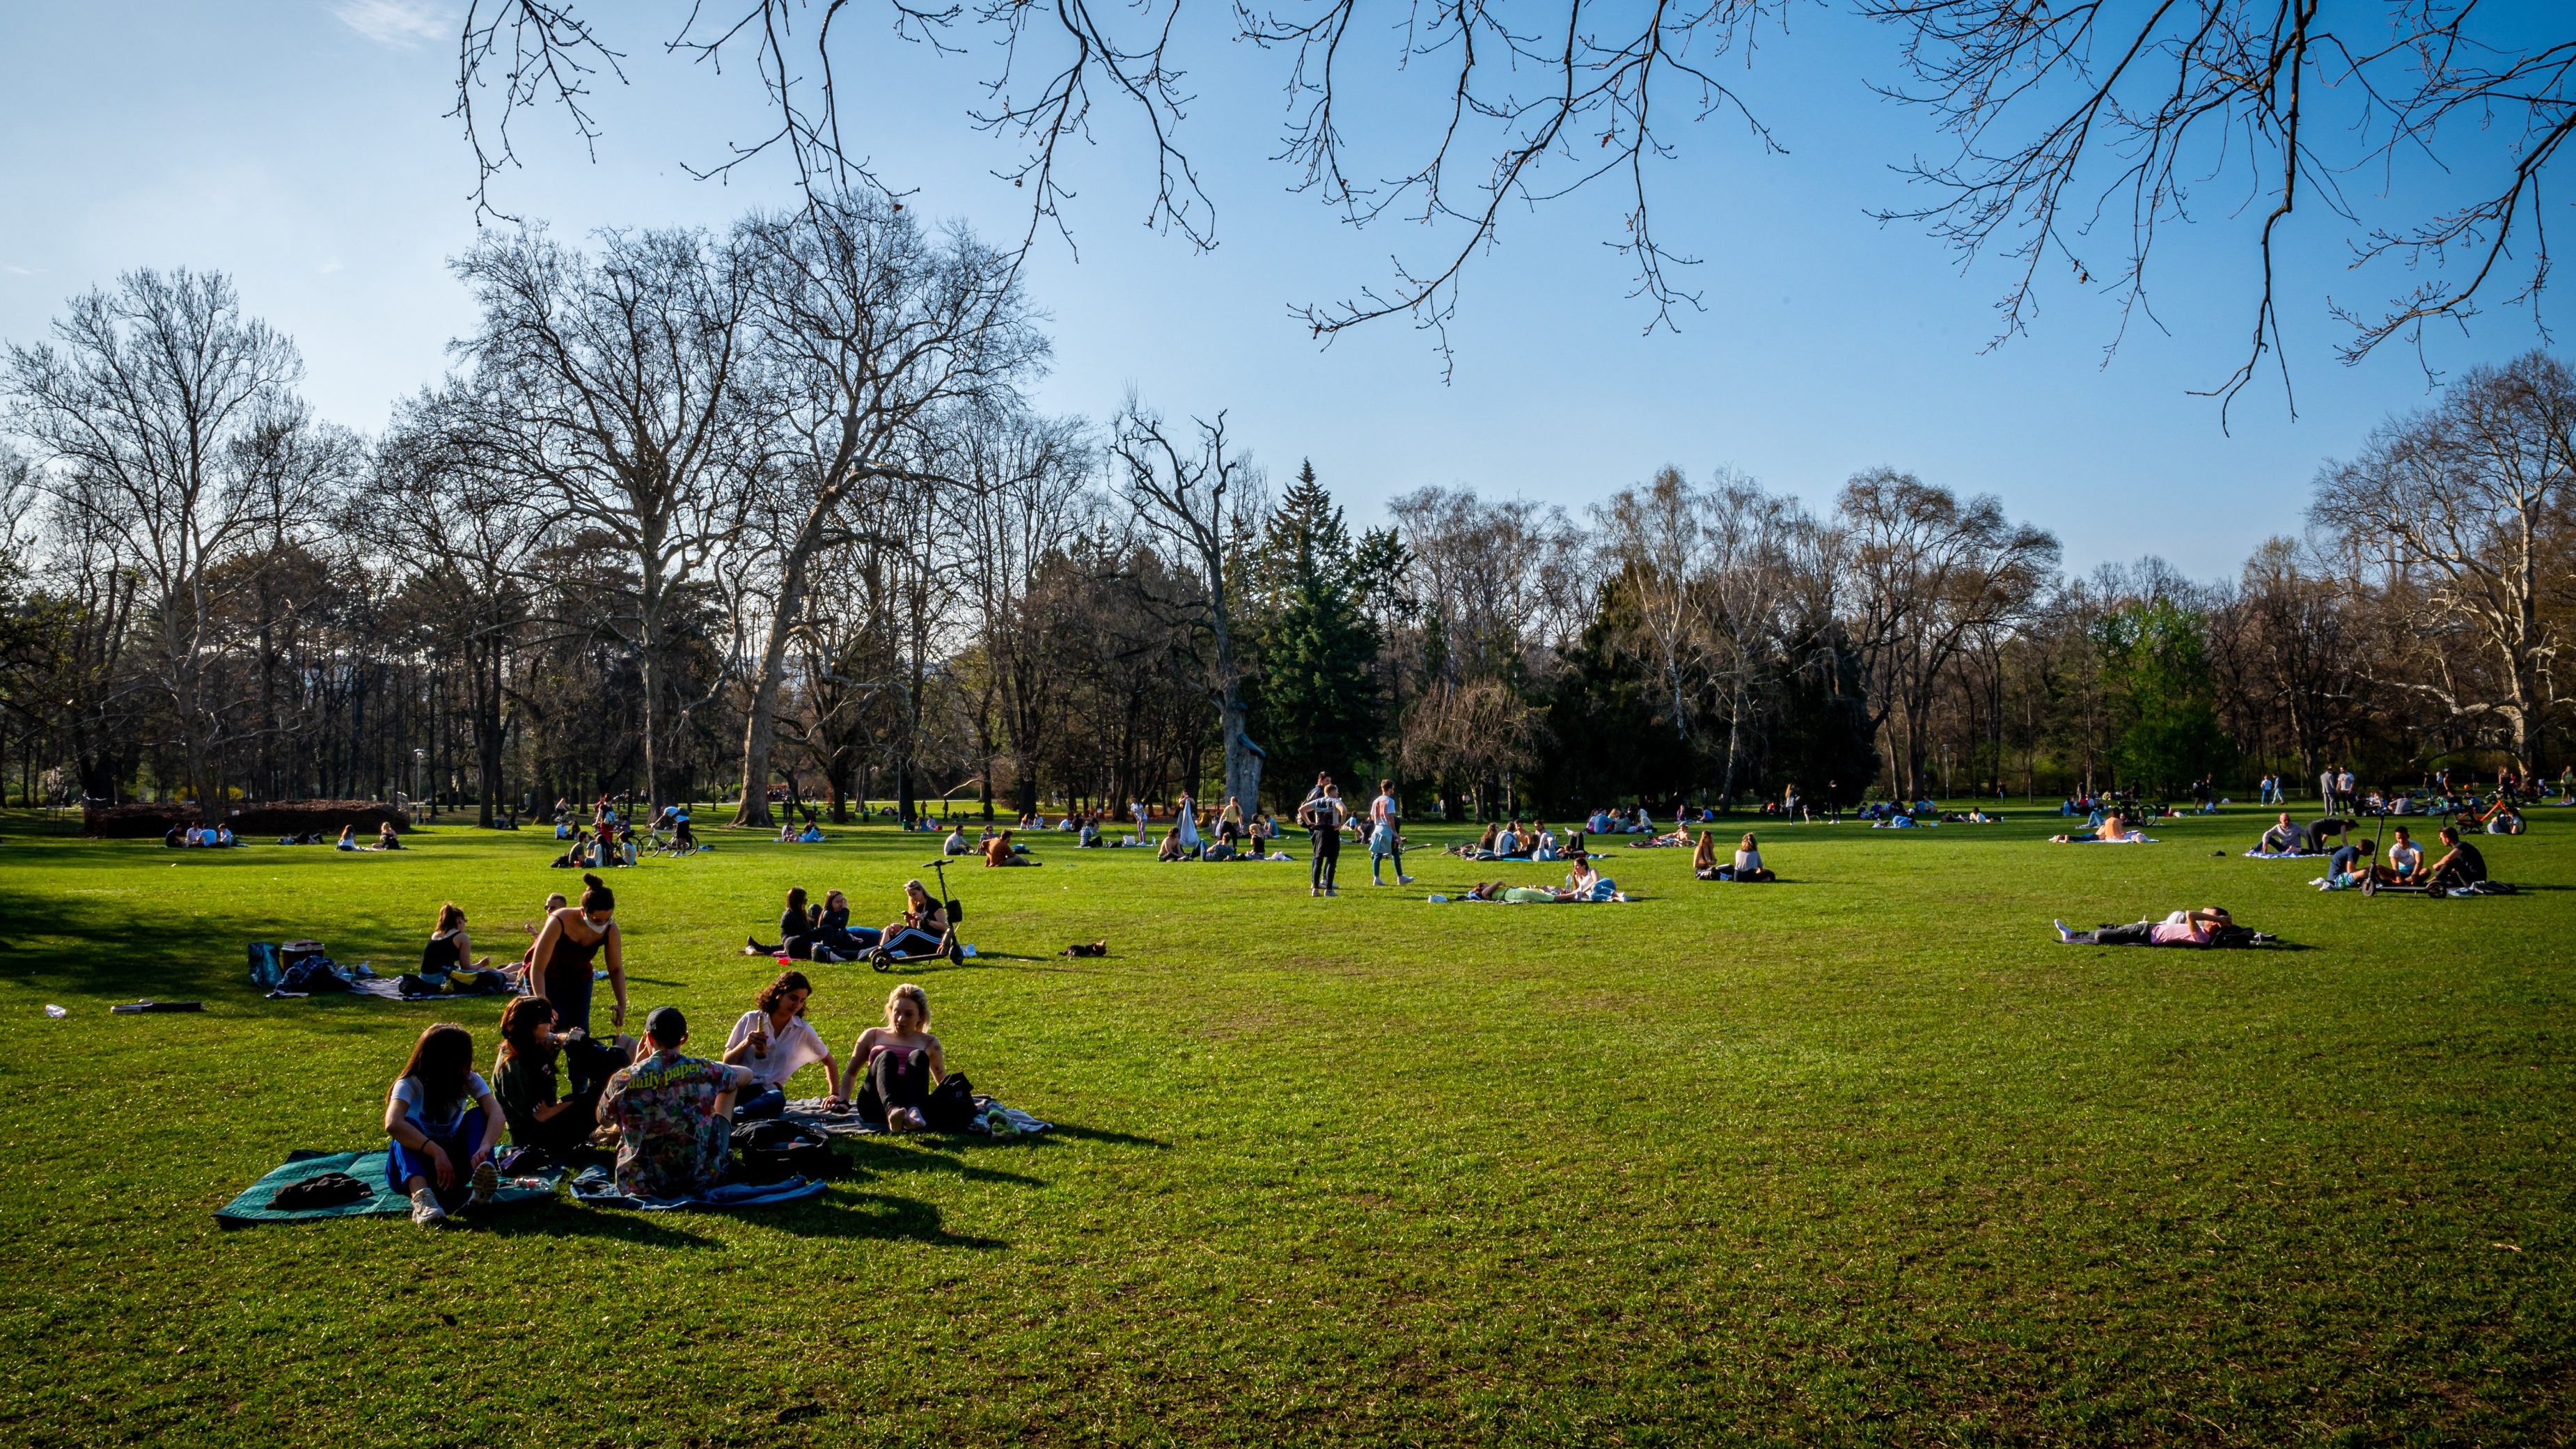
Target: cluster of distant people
221	837
820	931
610	838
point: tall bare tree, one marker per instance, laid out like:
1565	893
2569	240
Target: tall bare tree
868	332
1923	573
612	386
1202	505
2460	518
138	411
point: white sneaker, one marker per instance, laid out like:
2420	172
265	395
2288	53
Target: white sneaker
487	1180
2065	937
425	1210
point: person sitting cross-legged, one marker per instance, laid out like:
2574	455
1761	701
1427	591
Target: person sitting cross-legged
2405	860
2283	838
673	1113
1000	851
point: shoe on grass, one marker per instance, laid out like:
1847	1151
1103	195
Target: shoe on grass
2065	937
425	1210
487	1180
1404	880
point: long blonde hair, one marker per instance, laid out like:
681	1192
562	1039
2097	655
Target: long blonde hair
919	998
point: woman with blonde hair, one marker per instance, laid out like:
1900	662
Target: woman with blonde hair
899	1063
923	930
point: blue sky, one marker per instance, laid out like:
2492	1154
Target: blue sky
302	146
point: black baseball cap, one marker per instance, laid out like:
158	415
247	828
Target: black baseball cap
666	1025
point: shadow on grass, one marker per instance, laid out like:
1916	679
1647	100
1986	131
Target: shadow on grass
873	1215
1102	1134
881	1156
95	946
561	1220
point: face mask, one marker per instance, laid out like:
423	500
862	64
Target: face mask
596	923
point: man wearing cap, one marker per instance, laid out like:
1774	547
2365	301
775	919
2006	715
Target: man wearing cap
673	1114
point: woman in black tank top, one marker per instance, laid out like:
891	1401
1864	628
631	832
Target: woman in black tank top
573	938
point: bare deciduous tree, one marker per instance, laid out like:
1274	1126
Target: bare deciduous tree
612	387
2459	517
138	410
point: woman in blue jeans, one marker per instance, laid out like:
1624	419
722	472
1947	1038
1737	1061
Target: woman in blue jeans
444	1122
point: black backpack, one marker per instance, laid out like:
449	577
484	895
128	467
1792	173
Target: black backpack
951	1105
776	1149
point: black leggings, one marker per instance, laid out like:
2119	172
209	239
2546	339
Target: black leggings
895	1079
2138	934
1328	856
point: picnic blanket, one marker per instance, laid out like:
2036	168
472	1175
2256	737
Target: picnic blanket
597	1188
845	1121
2285	855
254	1205
389	988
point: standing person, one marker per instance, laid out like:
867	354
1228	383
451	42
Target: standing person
1386	834
443	1123
2325	788
1321	813
1229	822
1185	824
1144	819
559	964
775	1041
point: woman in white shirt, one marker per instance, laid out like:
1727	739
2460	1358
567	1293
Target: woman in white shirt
775	1041
444	1123
1748	861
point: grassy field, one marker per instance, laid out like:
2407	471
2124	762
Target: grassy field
1861	1157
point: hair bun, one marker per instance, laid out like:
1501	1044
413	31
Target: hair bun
592	880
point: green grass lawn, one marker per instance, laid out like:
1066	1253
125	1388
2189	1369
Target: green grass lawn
1863	1156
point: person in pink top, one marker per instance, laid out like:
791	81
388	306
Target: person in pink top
2182	928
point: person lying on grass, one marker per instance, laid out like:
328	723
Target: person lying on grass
899	1063
443	1123
528	1077
2115	829
774	1041
673	1113
1000	851
2182	928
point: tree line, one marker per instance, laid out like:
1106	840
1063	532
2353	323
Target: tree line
770	513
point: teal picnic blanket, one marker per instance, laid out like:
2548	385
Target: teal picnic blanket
253	1206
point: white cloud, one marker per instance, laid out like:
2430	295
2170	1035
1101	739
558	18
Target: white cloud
15	270
401	24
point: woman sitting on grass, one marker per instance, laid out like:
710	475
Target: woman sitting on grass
1483	848
528	1081
1704	857
795	931
447	963
923	930
444	1124
1746	867
774	1041
1169	850
2182	928
899	1062
386	839
832	931
348	838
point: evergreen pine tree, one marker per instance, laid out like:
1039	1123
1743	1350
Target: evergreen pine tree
1317	701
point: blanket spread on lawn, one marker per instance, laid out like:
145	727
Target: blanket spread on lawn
254	1204
597	1188
845	1121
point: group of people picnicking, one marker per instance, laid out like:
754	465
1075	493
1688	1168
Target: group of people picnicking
820	931
667	1117
2353	862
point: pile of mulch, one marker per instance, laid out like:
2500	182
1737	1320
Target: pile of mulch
269	818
